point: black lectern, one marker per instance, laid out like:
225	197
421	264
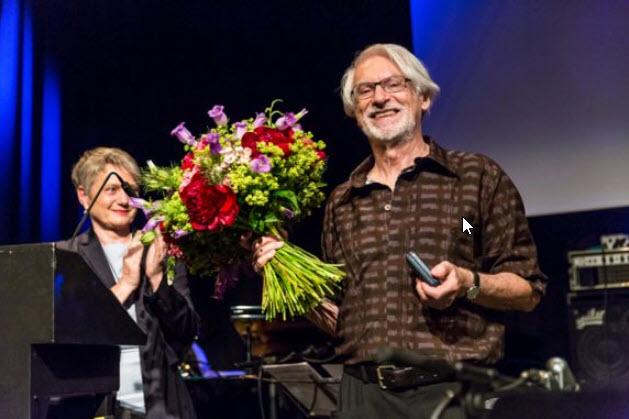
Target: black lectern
59	331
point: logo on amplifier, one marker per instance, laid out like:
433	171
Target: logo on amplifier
592	317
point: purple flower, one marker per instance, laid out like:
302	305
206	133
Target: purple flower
241	128
261	164
259	121
288	214
183	135
138	203
285	121
215	144
152	223
289	119
179	234
147	207
217	114
226	278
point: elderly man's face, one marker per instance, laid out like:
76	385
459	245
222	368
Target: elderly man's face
387	117
112	210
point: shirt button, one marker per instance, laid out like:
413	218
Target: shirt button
387	207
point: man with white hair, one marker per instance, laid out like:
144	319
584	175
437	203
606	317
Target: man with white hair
411	195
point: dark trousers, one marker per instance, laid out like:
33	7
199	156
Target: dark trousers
362	400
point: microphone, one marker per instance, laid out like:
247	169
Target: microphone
125	187
407	358
561	374
486	375
542	378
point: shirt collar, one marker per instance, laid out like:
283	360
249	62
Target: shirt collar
437	154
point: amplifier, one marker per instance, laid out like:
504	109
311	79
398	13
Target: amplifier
599	338
598	269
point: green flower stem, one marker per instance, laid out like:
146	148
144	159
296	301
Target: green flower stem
295	281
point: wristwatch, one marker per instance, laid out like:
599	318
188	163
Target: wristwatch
474	290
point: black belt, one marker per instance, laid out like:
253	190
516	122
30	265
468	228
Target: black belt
392	377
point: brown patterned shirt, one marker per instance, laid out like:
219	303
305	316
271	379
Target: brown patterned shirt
369	229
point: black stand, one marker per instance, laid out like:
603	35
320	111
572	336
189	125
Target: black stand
315	395
60	330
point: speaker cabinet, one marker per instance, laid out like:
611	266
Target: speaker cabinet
599	337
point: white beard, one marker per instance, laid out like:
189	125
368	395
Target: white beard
395	133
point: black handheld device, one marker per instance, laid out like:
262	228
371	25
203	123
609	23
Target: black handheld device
420	269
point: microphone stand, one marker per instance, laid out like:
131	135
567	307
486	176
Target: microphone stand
476	381
125	187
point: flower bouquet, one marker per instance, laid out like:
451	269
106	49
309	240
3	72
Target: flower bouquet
248	178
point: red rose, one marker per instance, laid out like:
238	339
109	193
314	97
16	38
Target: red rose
187	162
210	207
282	139
250	140
321	154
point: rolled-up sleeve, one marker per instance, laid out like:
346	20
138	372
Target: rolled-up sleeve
507	244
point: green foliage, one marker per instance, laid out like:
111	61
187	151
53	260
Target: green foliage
161	179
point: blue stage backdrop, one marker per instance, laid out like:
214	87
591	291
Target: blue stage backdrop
30	137
9	84
541	87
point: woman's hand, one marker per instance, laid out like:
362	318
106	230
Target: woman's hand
129	279
155	256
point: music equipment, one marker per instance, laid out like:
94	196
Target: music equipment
615	241
277	337
599	337
313	391
247	322
591	270
561	376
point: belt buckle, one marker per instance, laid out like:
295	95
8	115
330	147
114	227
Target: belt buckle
379	370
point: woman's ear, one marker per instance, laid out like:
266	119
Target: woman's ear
84	199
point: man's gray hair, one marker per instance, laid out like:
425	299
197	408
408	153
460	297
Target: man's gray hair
411	68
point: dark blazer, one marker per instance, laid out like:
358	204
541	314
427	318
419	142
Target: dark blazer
170	323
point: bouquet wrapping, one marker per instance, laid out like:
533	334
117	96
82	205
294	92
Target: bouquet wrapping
243	180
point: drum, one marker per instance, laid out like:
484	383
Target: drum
276	337
248	322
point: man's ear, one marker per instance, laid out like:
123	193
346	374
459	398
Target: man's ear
84	199
424	103
358	123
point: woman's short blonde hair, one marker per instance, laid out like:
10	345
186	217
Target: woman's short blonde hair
93	162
